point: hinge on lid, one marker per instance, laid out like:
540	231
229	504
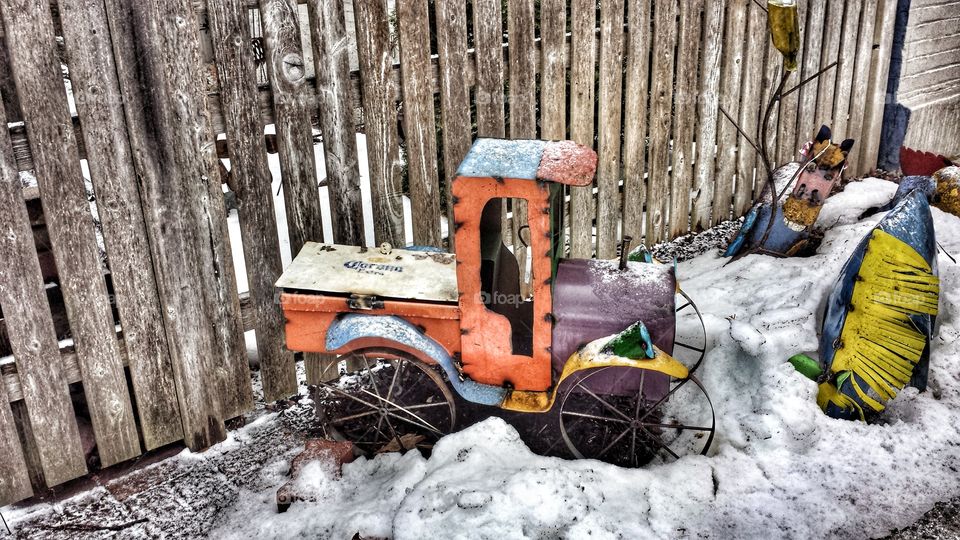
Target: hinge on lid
364	301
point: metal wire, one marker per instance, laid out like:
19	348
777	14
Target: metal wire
5	526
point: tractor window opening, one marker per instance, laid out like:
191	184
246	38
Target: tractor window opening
502	274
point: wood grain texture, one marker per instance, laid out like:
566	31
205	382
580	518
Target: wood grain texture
830	52
661	118
861	77
293	103
847	58
773	68
807	121
751	107
608	128
32	336
332	63
96	92
8	91
176	168
707	114
636	75
454	94
14	480
685	110
730	101
252	184
36	70
583	52
488	47
419	121
553	70
380	119
876	98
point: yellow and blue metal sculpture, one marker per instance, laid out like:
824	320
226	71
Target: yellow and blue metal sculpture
880	316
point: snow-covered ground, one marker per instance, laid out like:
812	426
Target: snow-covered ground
778	467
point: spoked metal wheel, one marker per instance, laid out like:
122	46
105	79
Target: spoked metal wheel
634	429
392	402
690	341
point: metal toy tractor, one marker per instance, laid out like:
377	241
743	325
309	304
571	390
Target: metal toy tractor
609	340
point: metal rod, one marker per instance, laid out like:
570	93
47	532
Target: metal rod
624	250
740	131
808	79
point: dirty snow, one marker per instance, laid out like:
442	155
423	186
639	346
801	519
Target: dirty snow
778	467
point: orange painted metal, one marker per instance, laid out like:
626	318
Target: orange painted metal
309	315
486	346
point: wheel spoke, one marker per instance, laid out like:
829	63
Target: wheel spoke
393	381
615	441
659	443
664	398
400	408
426	405
680	427
690	347
348	395
425	425
681	308
601	400
594	417
353	417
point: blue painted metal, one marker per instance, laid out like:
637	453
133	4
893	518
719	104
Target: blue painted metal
424	249
748	222
911	222
926	184
503	158
781	237
355	326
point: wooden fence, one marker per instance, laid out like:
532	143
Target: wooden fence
145	339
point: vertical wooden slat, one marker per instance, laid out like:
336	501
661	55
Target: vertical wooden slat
488	49
583	20
707	113
788	138
14	480
847	58
454	94
807	121
553	71
730	101
332	63
380	119
830	51
522	102
418	121
173	151
96	90
252	185
8	91
293	104
661	102
36	71
876	98
635	117
685	101
861	77
773	68
751	106
31	333
608	127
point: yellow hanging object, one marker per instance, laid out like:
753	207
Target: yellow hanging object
785	30
879	343
948	190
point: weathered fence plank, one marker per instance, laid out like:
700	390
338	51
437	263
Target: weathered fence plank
36	71
773	68
787	137
751	105
488	47
30	330
332	61
583	52
707	113
553	71
876	98
608	127
807	121
685	110
380	119
8	92
293	104
522	103
861	77
830	52
846	60
661	116
635	117
97	92
730	101
252	184
418	121
454	94
173	155
14	480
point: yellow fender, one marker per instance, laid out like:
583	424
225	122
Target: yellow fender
526	401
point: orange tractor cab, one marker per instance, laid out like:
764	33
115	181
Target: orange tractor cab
598	335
